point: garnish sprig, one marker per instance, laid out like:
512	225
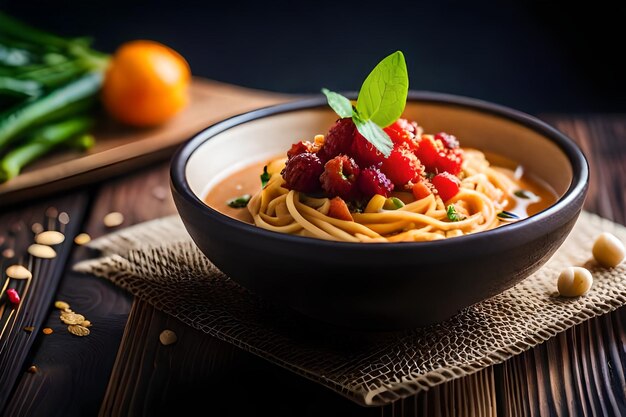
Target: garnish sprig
381	101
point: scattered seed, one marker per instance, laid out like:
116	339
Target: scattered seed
61	305
47	330
14	296
8	253
36	228
167	337
18	272
82	239
78	330
52	212
49	237
64	218
72	318
33	369
159	192
86	323
29	329
41	251
16	228
113	219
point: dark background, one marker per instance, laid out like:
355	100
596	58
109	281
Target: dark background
536	56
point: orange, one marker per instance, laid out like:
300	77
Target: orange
146	83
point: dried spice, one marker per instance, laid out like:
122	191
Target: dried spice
61	305
77	324
78	330
47	330
13	295
71	317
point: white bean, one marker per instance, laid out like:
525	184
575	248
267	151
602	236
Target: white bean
608	250
574	281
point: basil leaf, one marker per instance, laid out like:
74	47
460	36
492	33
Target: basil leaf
375	135
383	95
239	202
340	104
265	177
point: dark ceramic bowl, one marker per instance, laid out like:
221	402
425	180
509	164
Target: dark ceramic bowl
379	286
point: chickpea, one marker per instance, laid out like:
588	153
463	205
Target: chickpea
608	250
574	281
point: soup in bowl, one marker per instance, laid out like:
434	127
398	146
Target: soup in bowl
350	238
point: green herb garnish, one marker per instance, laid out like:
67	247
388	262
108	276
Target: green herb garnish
507	215
452	214
265	177
239	202
523	194
380	102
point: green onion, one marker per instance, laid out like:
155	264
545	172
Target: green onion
69	132
16	121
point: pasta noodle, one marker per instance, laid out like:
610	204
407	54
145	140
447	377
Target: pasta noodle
484	192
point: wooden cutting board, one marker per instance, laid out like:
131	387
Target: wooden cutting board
120	149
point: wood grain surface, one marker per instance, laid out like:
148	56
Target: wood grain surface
121	369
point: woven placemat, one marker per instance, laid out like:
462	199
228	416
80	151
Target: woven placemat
369	368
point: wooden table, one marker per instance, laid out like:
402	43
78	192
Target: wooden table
120	369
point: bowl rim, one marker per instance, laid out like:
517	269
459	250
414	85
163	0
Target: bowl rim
575	155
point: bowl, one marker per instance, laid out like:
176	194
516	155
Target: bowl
379	286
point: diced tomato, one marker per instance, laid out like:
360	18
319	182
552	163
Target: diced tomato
339	209
450	161
401	166
428	152
420	190
447	185
401	132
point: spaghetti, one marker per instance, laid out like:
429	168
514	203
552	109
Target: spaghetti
484	193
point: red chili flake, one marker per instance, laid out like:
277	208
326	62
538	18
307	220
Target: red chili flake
14	297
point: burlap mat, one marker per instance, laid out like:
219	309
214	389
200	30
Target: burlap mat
157	261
